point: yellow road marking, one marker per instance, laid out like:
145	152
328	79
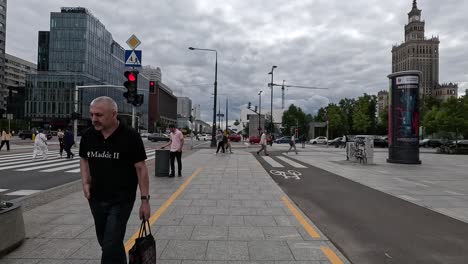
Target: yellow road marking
300	218
163	208
332	257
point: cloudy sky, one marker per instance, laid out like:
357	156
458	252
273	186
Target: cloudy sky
341	45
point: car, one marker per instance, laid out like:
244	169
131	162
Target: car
319	140
381	142
256	140
335	142
285	139
155	137
205	137
235	138
433	143
25	134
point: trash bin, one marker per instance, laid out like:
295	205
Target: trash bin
162	163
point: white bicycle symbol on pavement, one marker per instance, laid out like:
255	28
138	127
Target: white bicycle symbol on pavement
290	174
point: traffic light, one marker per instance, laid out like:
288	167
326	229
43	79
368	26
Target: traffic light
139	99
250	105
75	115
152	85
132	86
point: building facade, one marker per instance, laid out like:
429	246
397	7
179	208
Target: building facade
15	81
445	91
184	107
382	101
162	108
3	87
418	53
16	70
77	51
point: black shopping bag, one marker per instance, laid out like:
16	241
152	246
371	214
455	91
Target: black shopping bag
144	250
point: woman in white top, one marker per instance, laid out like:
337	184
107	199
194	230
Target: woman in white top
40	145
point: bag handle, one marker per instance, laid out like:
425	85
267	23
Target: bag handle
143	228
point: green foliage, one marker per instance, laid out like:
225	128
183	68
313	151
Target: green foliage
294	117
450	119
364	120
236	123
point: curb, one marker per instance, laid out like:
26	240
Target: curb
34	200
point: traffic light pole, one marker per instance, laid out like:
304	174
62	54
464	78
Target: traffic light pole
133	116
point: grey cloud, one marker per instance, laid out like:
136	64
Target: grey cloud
342	45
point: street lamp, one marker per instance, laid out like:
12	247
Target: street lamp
271	87
259	109
213	131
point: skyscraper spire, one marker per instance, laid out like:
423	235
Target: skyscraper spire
415	5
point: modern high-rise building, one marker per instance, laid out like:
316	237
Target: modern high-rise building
197	112
418	53
184	107
78	50
3	87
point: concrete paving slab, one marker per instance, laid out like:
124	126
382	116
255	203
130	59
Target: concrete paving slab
185	249
269	250
227	250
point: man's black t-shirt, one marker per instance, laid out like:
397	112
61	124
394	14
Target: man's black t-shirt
112	162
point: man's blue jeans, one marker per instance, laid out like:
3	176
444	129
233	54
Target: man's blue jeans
110	219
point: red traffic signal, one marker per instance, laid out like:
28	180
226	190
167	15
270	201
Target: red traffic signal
132	85
152	85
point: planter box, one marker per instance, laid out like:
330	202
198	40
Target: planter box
11	228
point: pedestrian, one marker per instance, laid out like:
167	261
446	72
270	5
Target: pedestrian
344	139
176	142
112	164
6	137
40	145
303	141
219	140
68	142
263	143
292	144
60	136
228	141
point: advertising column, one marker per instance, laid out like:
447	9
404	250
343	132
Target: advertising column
403	118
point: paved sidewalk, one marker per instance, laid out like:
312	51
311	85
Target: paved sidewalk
225	209
440	183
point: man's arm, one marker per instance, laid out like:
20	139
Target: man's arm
85	177
168	143
182	141
143	183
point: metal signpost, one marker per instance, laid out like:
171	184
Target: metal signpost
133	59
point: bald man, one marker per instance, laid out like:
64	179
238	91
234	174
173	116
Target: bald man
112	165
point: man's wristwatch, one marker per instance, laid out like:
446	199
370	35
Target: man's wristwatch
145	197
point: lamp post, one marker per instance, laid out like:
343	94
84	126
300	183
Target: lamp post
259	109
271	87
213	130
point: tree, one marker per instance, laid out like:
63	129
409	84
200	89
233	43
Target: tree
236	123
382	126
347	107
449	120
294	117
364	119
336	119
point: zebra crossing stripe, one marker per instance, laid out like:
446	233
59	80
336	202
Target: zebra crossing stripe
272	162
3	190
23	155
292	163
62	168
49	165
28	164
28	160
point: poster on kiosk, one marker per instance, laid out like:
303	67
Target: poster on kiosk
403	118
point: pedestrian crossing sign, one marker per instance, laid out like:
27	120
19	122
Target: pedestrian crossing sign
133	58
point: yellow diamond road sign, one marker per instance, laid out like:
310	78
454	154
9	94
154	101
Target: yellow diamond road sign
133	42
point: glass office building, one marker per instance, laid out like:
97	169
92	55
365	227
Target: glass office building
77	51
